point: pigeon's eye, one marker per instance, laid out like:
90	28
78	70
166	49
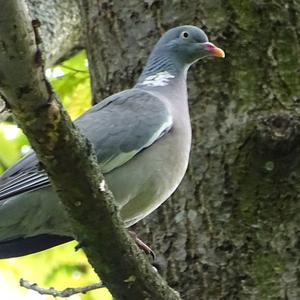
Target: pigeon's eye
185	34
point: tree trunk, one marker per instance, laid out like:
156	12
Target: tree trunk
61	27
231	229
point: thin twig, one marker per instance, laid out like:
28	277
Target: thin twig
64	293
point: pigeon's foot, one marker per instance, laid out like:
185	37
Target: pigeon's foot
142	245
138	241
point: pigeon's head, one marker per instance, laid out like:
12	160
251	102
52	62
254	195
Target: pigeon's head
187	44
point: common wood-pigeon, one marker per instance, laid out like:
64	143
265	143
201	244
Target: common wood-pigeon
142	138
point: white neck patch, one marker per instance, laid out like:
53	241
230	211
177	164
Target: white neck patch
159	79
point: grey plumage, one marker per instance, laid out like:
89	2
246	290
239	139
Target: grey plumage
133	129
142	139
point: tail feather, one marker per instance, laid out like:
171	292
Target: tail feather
24	246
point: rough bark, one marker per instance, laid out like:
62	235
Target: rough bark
61	27
61	32
70	162
231	229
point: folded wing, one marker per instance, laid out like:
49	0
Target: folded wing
119	127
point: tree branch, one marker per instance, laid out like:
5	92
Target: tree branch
61	31
70	162
68	292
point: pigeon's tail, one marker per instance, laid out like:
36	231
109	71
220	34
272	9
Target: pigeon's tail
24	246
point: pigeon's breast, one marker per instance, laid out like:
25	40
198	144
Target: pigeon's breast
147	180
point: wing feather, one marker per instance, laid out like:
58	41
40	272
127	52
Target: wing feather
119	127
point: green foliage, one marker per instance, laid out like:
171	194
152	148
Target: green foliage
12	144
59	267
72	82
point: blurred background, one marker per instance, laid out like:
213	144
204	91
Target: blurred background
59	267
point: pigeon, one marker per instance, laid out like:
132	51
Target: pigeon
142	139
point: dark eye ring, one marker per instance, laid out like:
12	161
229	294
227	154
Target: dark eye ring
185	34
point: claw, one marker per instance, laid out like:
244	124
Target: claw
142	245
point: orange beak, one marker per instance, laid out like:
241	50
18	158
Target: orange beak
215	51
